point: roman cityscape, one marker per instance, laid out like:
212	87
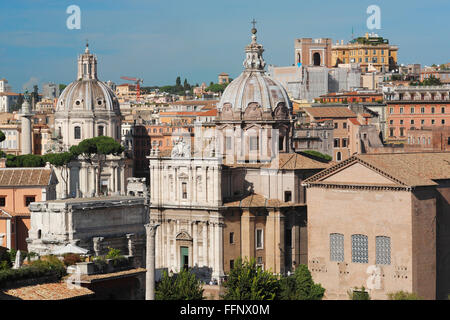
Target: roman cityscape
232	152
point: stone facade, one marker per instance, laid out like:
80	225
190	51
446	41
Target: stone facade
371	224
91	223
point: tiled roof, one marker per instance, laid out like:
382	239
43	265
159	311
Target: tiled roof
25	176
286	161
46	291
330	112
354	121
8	214
257	200
194	102
406	169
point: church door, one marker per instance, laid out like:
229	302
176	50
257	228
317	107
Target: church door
184	251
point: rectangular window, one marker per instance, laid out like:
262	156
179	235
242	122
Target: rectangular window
422	110
401	109
344	143
259	261
443	121
360	248
336	143
2	201
77	132
184	189
383	250
259	239
391	110
412	109
335	125
336	247
412	121
231	237
29	199
287	196
100	131
344	125
231	264
443	110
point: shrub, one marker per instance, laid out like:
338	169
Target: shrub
247	281
38	268
359	294
71	259
5	259
403	295
300	286
113	253
181	286
317	154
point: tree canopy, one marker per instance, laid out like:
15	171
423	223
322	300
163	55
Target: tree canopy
101	145
300	286
247	281
181	286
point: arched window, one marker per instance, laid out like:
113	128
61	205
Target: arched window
77	132
338	156
316	59
100	131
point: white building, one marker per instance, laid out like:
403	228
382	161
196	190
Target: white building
88	108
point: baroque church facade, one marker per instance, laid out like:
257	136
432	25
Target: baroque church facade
236	192
85	109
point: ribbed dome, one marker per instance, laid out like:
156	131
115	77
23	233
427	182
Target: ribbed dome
88	95
253	85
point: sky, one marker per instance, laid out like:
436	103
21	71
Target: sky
198	39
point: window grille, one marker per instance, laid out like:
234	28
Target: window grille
360	248
336	247
383	250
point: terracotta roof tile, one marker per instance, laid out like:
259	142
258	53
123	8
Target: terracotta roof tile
330	112
47	291
25	176
406	169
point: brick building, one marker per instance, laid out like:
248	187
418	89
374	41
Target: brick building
381	221
416	107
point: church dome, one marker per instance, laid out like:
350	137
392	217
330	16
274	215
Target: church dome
87	107
87	93
253	85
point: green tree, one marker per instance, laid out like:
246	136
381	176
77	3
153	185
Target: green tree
181	286
95	150
62	87
61	160
247	281
403	295
359	294
215	87
26	160
431	81
300	286
2	136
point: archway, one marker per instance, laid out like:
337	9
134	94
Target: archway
316	59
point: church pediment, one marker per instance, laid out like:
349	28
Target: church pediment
184	236
357	173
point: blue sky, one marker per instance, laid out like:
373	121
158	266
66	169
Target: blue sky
159	40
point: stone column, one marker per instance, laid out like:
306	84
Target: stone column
247	234
122	179
205	243
194	244
150	261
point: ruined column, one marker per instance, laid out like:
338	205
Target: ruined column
150	261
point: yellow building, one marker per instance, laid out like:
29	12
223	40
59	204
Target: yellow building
372	52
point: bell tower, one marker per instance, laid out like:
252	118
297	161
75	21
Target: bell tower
87	65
